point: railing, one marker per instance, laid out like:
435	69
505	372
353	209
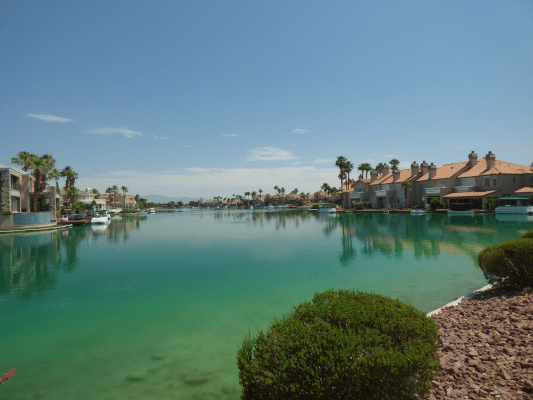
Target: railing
381	193
38	218
15	186
461	189
434	190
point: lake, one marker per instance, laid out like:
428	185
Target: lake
156	306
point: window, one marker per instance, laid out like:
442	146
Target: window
514	179
531	178
487	182
494	182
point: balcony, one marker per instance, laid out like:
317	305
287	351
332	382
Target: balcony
356	195
433	191
381	193
15	186
462	189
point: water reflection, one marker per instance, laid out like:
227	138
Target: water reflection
30	262
426	236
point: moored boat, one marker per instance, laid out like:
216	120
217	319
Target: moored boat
514	205
101	217
327	208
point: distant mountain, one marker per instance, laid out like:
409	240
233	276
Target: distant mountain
155	198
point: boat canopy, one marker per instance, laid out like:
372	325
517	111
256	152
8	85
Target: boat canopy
513	198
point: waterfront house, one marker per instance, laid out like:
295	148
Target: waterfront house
322	196
344	193
435	183
488	177
387	190
14	189
88	197
118	200
359	192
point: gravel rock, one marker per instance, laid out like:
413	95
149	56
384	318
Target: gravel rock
486	347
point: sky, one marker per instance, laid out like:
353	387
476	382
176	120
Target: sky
215	98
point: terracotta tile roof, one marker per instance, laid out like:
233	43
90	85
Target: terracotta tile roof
446	171
525	190
469	194
500	167
405	175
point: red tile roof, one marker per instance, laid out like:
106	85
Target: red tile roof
405	175
500	167
525	190
446	171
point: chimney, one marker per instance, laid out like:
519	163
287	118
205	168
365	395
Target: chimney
424	167
472	159
395	175
491	160
385	170
414	168
373	175
432	171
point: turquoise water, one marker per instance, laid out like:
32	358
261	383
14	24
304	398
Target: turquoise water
155	307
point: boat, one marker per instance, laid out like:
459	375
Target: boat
101	217
327	208
417	212
76	219
269	207
152	211
515	205
464	209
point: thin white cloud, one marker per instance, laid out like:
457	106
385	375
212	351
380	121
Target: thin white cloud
164	137
324	160
109	131
229	135
269	154
50	118
296	163
432	151
390	155
301	131
404	165
461	147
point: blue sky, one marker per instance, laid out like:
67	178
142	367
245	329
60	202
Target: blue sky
211	98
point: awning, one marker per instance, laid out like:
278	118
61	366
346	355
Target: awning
471	195
513	198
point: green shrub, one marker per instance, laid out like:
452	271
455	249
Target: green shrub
492	200
7	212
511	261
436	203
342	345
314	207
528	235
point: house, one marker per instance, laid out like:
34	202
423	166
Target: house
437	182
14	189
360	192
322	196
488	177
344	192
119	200
87	197
387	190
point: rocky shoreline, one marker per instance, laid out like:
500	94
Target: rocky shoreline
486	347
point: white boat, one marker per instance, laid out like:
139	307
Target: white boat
269	207
101	217
417	212
325	208
152	211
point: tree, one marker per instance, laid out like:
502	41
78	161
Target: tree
341	164
379	167
283	193
72	192
406	187
124	191
24	159
115	189
78	206
260	192
361	167
348	167
394	163
39	166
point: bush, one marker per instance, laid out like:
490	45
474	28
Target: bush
492	200
511	261
436	203
343	345
7	212
314	207
528	235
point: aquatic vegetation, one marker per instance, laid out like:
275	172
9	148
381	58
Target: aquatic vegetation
7	375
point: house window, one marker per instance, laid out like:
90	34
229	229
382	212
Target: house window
531	178
494	182
514	179
487	182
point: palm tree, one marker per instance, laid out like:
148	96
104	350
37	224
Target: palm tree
115	189
72	192
394	163
65	173
124	190
54	174
348	167
282	192
341	163
368	168
406	187
24	159
39	168
379	167
361	168
260	192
